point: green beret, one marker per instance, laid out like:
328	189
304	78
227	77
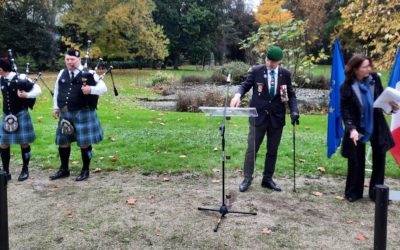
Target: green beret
274	53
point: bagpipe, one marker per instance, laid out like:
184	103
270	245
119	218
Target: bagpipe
22	81
88	76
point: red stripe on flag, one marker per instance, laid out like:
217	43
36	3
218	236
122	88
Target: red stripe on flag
396	149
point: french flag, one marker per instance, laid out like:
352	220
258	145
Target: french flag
394	82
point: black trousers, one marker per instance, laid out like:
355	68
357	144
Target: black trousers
356	171
254	141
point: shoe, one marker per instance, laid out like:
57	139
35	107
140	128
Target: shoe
8	176
24	174
268	183
61	173
83	175
245	184
351	199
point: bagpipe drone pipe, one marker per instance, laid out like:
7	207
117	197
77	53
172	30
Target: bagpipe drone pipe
90	77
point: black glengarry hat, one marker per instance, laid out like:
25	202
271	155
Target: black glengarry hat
5	64
74	52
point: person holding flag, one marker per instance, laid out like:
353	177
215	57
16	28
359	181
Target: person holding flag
363	123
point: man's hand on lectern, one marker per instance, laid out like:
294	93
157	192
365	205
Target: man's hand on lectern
235	101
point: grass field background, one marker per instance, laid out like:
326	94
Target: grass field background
171	142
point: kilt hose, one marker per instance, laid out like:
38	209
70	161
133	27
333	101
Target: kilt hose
87	128
25	133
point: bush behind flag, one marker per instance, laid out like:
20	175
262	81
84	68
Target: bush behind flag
335	128
395	124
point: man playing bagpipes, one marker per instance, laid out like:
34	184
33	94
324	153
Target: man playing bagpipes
76	93
19	93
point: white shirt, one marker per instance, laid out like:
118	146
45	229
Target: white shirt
269	79
99	89
33	93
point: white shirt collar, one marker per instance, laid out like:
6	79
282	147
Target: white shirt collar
276	70
10	76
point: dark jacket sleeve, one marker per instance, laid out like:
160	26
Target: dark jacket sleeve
248	83
346	106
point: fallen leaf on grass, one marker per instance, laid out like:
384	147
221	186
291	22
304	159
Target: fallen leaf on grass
340	198
111	138
182	156
266	230
216	170
131	202
68	213
216	181
322	170
318	194
302	160
113	158
162	124
97	170
360	237
101	158
75	162
215	149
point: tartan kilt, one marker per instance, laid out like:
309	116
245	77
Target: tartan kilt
87	128
25	133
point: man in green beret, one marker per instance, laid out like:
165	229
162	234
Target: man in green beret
272	88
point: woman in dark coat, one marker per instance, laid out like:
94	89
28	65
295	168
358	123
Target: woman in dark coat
363	123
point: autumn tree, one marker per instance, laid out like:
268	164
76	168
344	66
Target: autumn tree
271	12
118	29
377	24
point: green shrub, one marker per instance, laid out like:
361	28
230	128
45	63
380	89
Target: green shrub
312	82
162	78
193	79
239	71
192	101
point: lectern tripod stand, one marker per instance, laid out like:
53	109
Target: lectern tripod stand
226	112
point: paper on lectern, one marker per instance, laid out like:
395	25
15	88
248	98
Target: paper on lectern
389	94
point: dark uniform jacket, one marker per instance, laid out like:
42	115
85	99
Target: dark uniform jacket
12	104
70	94
350	108
275	108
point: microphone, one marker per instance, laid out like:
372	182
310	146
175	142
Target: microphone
27	69
228	79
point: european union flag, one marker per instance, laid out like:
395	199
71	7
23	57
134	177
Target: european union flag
335	128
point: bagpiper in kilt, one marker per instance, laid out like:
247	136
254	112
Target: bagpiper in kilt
16	124
75	104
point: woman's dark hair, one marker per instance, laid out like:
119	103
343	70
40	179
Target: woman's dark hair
5	65
353	64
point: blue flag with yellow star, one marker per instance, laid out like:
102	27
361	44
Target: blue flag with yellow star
335	128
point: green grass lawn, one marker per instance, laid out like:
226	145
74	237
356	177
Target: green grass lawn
325	70
172	142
